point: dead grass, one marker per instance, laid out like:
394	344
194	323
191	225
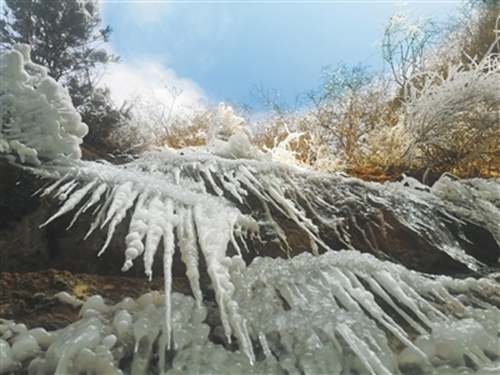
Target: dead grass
188	131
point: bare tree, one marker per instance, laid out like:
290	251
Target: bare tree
405	43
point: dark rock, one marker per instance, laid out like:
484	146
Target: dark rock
29	297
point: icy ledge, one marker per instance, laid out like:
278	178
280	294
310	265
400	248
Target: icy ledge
340	312
194	203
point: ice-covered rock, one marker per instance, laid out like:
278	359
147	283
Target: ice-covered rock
340	312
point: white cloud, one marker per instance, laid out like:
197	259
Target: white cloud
146	12
153	83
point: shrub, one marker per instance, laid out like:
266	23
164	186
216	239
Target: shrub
187	129
454	116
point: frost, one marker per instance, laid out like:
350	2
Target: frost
478	200
38	118
462	101
282	152
228	138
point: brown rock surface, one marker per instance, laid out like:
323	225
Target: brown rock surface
29	297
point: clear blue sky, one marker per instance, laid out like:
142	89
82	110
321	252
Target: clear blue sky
223	49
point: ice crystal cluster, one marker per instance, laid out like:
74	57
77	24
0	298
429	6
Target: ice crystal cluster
39	121
338	312
332	313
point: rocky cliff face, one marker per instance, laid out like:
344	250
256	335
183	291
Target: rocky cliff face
372	228
26	247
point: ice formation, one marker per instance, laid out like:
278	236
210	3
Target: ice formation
339	312
39	122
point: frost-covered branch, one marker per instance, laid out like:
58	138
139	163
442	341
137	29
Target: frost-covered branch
456	110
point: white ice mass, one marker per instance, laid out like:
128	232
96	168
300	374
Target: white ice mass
321	312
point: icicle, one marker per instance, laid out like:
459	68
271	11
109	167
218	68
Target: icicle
141	329
342	284
213	245
101	213
168	252
366	299
424	304
123	199
207	173
298	217
120	198
363	351
96	195
137	230
63	191
213	227
381	292
94	198
70	203
232	185
265	345
162	346
186	238
156	222
241	331
235	243
386	280
267	212
49	190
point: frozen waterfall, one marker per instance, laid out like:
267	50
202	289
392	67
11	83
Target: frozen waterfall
322	311
339	313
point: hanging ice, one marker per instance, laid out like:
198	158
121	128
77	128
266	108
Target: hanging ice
309	314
